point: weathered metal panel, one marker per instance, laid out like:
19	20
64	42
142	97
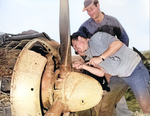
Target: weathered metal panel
25	85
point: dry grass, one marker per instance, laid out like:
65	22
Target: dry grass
133	105
131	101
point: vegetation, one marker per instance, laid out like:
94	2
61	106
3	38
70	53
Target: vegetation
132	103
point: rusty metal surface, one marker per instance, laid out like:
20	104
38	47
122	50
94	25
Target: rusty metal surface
8	56
64	26
78	92
24	36
26	79
9	53
25	85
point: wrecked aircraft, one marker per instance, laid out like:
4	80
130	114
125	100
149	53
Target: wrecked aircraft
35	72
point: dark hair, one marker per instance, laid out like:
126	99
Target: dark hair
85	30
76	34
95	3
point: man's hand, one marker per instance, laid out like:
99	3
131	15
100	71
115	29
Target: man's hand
95	61
77	65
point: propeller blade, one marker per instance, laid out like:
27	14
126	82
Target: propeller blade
64	26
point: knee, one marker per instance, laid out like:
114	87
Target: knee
146	109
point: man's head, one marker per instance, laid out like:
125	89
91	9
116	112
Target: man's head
88	3
79	42
92	8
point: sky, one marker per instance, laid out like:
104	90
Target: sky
43	16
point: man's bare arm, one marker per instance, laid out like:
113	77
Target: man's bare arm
94	70
113	48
